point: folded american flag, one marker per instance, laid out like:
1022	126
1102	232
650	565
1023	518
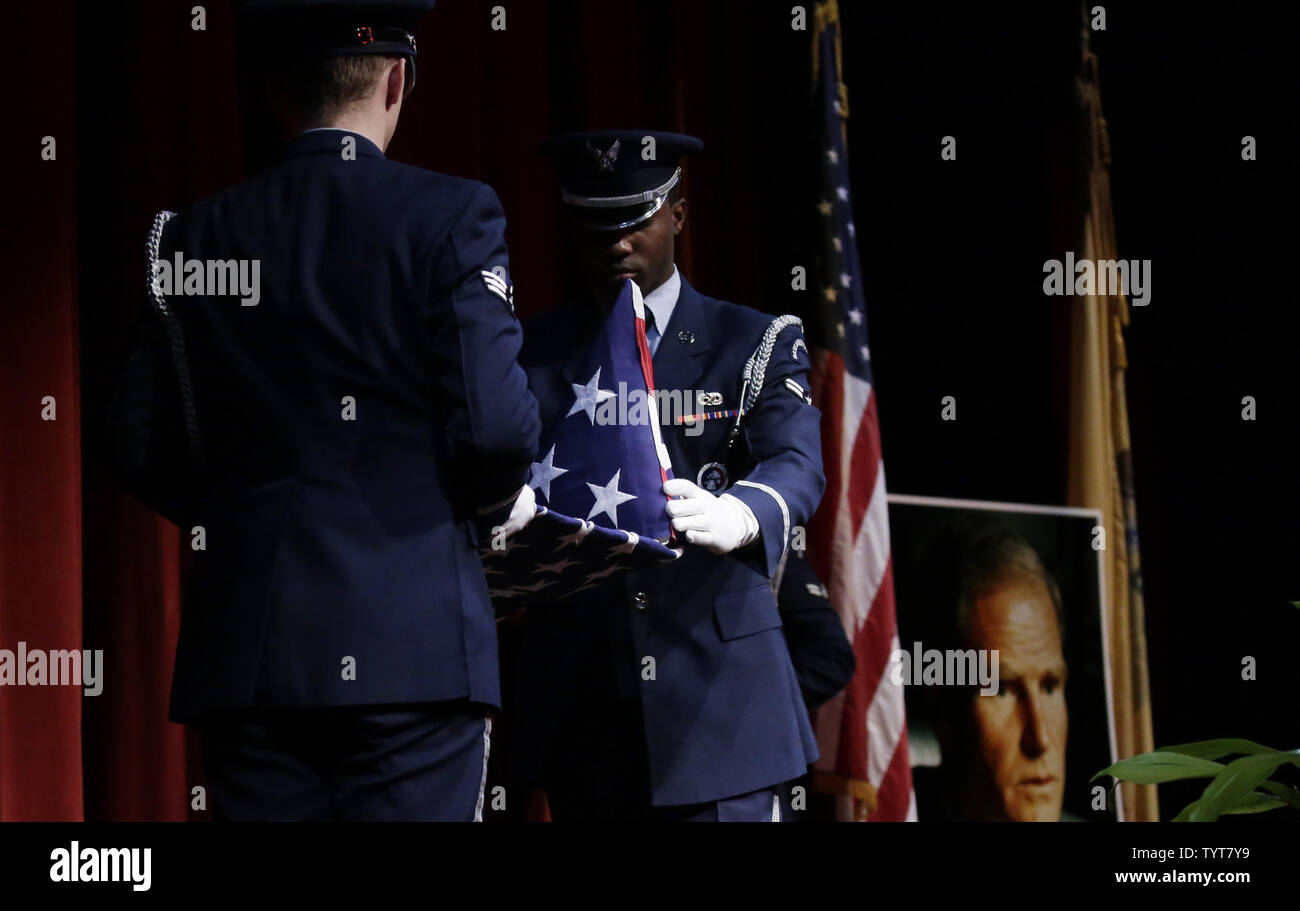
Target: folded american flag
599	478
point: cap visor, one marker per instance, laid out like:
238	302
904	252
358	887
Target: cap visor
602	219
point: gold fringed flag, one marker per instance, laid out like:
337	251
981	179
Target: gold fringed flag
1100	461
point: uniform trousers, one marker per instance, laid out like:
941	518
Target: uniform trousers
410	761
602	774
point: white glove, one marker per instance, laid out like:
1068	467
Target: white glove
718	524
523	512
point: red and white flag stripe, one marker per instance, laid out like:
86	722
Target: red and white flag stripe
861	733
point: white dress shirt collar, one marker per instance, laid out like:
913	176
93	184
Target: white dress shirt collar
662	300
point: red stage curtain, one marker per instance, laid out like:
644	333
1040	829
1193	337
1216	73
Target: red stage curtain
40	460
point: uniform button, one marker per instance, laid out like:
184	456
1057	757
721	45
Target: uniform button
642	600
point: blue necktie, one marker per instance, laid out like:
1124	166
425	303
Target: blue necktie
651	331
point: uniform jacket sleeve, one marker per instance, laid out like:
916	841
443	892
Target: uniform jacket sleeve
819	650
146	438
783	431
492	424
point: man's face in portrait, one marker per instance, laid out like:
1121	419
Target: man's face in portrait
1020	733
643	252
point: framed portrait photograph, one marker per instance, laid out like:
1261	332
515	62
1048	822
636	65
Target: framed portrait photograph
1002	651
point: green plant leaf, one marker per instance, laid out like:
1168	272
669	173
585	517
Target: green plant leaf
1287	794
1238	778
1255	802
1157	767
1215	749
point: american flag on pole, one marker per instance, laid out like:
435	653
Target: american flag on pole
861	733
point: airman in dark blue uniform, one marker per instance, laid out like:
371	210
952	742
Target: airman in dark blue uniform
335	443
669	693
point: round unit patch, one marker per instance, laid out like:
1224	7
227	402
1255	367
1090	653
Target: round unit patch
712	477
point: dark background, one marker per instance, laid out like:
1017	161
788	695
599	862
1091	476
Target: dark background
150	115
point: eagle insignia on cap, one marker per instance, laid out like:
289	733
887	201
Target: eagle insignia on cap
605	160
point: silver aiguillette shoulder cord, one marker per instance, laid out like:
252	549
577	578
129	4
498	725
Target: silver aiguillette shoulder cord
756	370
175	340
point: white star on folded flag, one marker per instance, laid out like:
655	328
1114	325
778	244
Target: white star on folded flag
608	498
534	587
544	472
588	397
604	573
